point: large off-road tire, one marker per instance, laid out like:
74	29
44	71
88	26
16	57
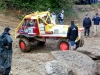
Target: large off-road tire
63	44
40	43
24	45
81	43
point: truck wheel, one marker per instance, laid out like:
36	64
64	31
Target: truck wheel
81	43
63	45
24	45
40	43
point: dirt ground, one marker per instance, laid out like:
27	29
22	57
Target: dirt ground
31	62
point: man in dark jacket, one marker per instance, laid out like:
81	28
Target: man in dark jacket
87	25
6	51
96	20
72	35
93	1
61	17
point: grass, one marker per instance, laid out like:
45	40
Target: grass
71	13
19	17
6	13
98	4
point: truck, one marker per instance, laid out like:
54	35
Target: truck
38	26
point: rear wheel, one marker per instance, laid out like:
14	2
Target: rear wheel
63	45
24	45
81	43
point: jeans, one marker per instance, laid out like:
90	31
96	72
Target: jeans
93	1
61	22
5	61
73	45
86	31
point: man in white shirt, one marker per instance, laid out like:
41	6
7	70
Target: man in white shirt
53	15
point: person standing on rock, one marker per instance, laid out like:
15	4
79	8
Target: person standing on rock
87	25
94	1
6	51
61	17
53	15
96	20
72	34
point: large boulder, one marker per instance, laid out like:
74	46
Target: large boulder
71	61
98	66
94	54
56	68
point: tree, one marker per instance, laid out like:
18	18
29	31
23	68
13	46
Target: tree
34	5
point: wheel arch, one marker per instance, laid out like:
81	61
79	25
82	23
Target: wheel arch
23	36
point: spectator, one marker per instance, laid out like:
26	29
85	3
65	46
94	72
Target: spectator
85	2
87	25
93	1
72	35
48	10
53	15
61	17
96	20
6	51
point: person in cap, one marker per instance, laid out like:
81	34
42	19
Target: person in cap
6	51
96	20
72	34
87	24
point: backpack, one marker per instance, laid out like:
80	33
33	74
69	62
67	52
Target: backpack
59	16
1	41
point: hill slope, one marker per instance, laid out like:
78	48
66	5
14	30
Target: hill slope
30	63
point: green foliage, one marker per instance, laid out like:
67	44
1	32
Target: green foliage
2	5
19	17
98	4
71	13
37	5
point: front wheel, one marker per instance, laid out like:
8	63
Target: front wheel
24	45
63	45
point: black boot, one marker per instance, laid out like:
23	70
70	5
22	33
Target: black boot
1	72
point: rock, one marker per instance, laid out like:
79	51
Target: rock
98	66
94	54
79	63
56	68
